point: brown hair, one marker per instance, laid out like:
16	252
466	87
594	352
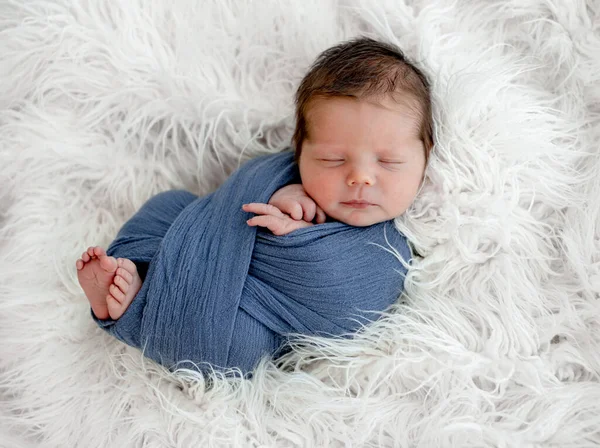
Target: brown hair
363	68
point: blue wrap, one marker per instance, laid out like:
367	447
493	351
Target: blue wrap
221	292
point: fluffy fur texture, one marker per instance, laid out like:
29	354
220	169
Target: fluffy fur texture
497	339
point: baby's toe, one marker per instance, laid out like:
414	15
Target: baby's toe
98	251
121	283
85	257
115	308
125	274
90	251
127	264
79	264
116	293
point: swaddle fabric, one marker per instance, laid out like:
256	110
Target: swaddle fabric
220	292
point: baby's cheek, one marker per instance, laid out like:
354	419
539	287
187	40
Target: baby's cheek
318	189
328	195
397	203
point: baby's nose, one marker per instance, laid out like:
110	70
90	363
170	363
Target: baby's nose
361	177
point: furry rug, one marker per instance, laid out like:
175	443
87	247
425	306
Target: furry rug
496	341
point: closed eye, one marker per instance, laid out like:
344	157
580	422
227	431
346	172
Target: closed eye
331	160
392	162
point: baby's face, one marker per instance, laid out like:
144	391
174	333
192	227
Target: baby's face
363	161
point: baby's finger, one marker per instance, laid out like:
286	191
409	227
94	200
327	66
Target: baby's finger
262	209
288	205
309	207
321	216
271	222
293	208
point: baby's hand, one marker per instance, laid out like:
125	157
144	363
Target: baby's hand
273	219
293	200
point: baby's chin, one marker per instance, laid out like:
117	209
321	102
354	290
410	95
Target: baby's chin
359	218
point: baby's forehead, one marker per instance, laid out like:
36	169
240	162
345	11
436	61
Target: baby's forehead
402	101
405	107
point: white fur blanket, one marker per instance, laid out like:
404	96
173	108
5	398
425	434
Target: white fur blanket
497	340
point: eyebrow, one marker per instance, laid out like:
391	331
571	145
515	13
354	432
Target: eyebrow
326	146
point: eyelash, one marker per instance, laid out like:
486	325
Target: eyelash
390	162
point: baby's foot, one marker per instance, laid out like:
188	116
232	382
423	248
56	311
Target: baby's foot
96	271
125	286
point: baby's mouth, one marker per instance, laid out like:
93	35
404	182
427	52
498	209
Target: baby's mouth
357	204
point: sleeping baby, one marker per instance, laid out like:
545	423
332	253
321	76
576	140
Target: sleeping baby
298	242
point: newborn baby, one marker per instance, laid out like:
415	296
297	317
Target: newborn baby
362	138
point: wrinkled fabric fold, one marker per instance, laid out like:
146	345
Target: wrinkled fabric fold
219	292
